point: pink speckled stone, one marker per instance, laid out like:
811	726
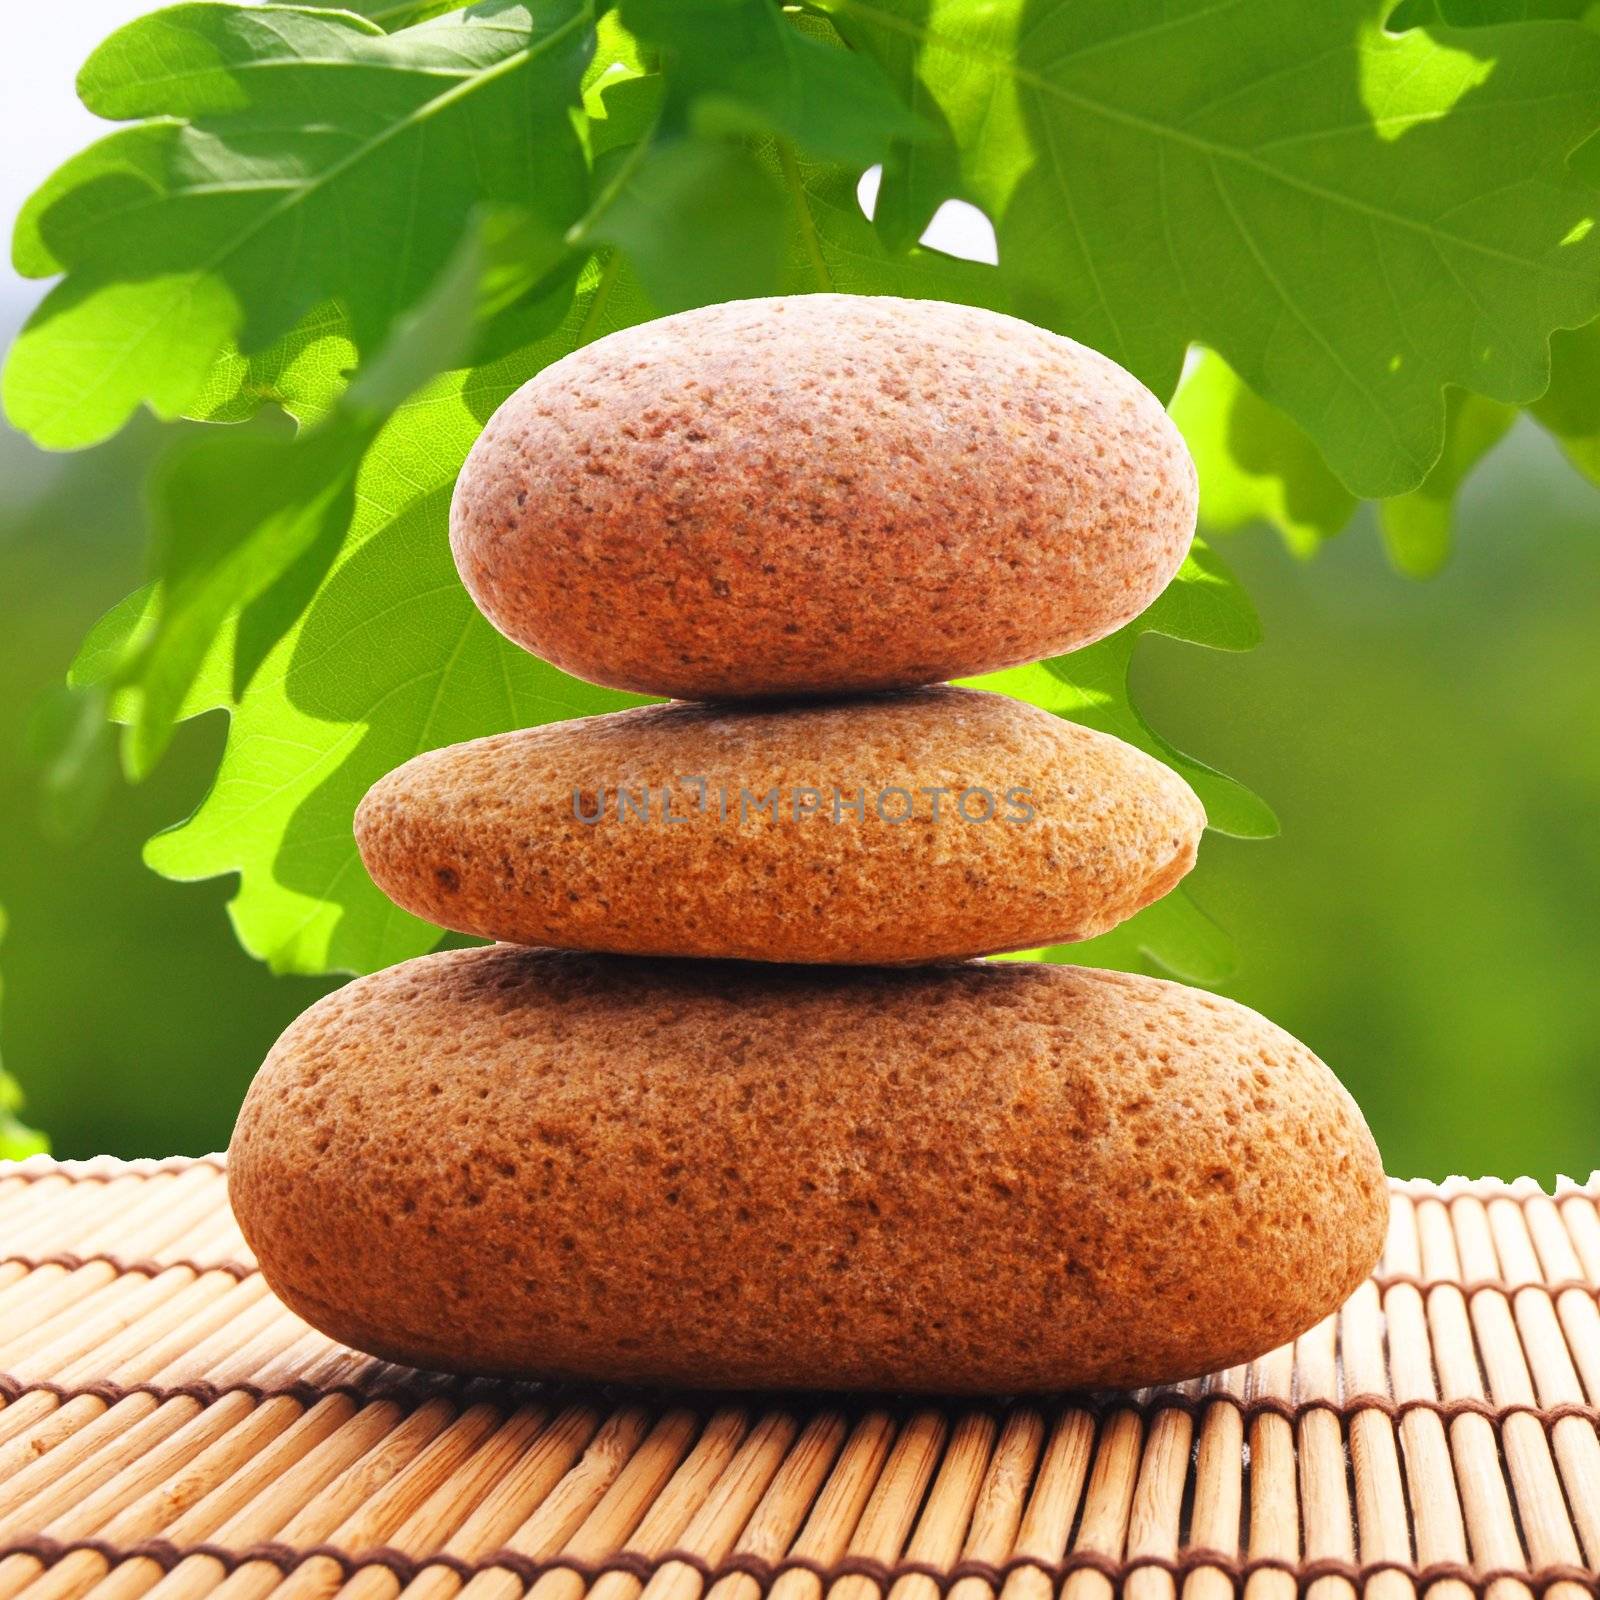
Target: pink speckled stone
820	494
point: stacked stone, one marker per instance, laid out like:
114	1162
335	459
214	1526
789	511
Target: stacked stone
730	1105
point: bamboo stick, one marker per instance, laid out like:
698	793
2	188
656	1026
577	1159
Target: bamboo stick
581	1493
1274	1480
236	1324
1156	1513
434	1525
1108	1504
54	1449
608	1518
24	1199
317	1361
289	1358
1581	1219
231	1367
840	1506
1474	1448
1436	1517
1541	1507
894	1501
77	1221
1382	1525
1556	1227
1325	1511
714	1527
351	1466
997	1515
169	1496
100	1454
533	1482
44	1349
1545	1343
43	1294
1053	1506
375	1518
774	1522
1218	1484
165	1208
942	1528
295	1450
353	1494
162	1221
164	1471
195	1312
671	1512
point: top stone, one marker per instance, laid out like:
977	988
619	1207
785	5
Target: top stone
820	494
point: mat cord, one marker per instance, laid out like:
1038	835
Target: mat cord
528	1570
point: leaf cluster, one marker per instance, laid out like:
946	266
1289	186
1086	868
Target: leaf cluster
338	238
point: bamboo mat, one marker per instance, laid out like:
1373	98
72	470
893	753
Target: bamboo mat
169	1429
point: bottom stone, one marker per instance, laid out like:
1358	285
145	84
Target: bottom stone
991	1177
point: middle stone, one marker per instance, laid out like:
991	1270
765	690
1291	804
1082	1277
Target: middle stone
922	826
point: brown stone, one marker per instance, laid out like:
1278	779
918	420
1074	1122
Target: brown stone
991	1177
821	494
656	831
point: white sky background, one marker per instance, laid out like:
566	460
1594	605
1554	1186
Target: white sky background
41	121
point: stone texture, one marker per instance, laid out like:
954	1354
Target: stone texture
989	1177
486	837
823	493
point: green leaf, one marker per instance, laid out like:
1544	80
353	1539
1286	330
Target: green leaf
294	158
1478	13
699	220
109	645
388	658
231	515
696	202
1173	937
1354	220
1255	465
1570	407
1416	526
70	743
235	512
617	56
833	247
739	66
393	15
1203	605
303	373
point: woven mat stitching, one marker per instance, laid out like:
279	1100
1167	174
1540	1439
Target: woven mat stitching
34	1168
765	1573
149	1266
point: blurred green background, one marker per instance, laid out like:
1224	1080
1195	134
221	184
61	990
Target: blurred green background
1426	922
129	1012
